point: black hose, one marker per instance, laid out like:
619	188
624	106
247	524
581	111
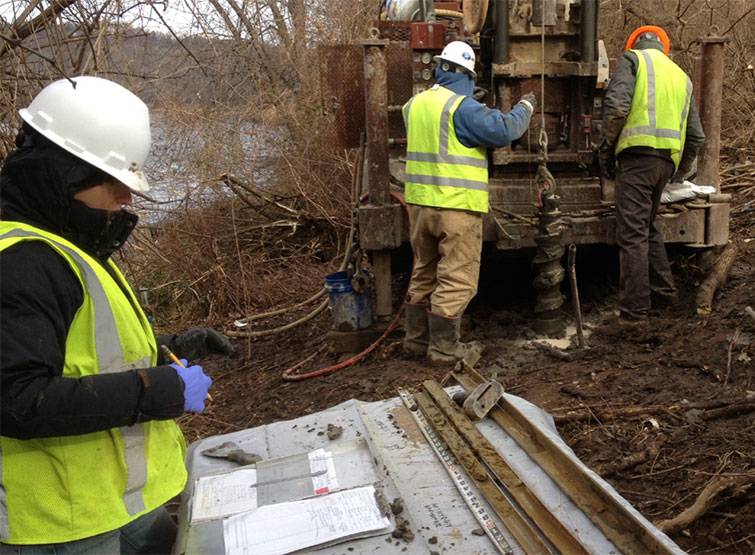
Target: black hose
589	29
501	55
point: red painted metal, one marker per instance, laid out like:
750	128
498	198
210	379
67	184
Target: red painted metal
427	36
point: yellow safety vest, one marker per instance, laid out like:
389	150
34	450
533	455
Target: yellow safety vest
660	106
61	489
440	171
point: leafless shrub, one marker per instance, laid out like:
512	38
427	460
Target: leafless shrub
250	203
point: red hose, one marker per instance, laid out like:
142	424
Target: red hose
287	375
290	376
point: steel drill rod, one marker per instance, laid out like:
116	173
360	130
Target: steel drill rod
619	524
575	294
544	521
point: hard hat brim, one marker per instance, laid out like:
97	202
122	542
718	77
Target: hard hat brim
438	60
134	180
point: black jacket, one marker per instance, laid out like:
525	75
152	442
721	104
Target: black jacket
39	296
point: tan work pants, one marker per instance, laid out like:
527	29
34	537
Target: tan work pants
447	246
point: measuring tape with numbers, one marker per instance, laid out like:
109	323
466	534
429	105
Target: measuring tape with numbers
461	483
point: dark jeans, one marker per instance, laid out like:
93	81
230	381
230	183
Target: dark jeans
644	266
153	533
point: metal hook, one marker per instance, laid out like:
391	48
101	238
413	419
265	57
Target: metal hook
543	142
544	176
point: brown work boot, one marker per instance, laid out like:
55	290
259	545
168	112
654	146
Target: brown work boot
417	335
661	303
444	344
621	325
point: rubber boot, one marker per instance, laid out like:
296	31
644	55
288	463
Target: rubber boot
445	346
417	330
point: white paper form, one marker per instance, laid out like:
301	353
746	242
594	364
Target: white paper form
286	527
224	494
323	470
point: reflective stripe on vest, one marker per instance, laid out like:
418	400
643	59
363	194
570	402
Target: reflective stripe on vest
109	351
110	358
658	78
445	174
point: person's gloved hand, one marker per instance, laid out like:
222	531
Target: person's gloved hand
607	162
196	385
530	101
200	342
681	173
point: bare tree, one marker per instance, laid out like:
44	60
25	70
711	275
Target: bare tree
237	164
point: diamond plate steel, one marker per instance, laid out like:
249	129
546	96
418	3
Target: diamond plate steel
342	93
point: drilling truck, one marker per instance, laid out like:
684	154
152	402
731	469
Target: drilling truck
546	189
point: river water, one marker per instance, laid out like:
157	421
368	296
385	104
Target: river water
189	156
187	160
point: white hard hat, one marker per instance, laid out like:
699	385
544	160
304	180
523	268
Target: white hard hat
459	53
98	121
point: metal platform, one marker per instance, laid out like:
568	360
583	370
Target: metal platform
382	444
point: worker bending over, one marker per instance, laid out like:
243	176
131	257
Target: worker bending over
89	450
447	192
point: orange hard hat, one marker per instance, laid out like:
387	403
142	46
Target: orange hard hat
660	33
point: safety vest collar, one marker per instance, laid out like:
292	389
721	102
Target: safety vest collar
106	338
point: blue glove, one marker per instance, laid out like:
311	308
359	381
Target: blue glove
196	384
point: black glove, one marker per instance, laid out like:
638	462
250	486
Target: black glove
681	172
530	99
607	162
196	343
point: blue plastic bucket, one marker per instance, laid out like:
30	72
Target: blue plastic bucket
351	311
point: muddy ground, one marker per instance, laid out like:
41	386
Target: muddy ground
660	414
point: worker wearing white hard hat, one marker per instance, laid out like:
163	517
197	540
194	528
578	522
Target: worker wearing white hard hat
457	55
448	133
90	452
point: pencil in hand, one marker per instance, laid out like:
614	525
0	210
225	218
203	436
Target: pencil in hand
175	359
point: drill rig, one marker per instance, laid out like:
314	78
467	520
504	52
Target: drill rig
546	191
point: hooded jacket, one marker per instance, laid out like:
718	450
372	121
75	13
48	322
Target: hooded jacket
475	123
39	296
